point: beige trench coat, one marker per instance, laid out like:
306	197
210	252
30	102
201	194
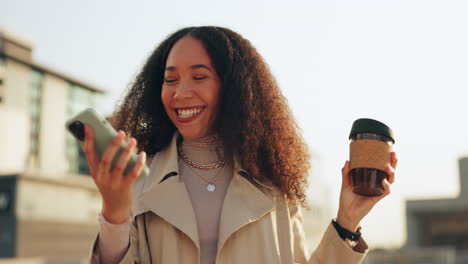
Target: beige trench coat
256	226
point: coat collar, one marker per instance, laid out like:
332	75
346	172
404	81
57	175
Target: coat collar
163	193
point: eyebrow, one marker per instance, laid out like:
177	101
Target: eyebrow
196	66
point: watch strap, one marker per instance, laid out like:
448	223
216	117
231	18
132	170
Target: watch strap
345	233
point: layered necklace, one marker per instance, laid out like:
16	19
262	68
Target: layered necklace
211	187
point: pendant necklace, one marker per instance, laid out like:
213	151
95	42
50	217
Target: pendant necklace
211	187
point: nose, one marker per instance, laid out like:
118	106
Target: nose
183	91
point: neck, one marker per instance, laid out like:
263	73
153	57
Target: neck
203	142
204	150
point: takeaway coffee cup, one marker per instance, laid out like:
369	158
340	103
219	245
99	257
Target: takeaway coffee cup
371	142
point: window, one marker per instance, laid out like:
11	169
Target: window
35	112
79	98
2	78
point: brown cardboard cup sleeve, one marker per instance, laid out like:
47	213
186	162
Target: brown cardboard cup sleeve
369	153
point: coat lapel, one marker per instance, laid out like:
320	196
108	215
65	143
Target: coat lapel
164	193
244	203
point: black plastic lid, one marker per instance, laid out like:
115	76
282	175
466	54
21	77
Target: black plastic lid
367	125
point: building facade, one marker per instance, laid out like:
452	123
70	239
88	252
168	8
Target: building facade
441	223
48	203
437	230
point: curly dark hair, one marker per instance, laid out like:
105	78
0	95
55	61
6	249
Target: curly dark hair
254	119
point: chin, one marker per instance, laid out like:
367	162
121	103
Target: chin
191	133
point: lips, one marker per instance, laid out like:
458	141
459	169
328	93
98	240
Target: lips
187	114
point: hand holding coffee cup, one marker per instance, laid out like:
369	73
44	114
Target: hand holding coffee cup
371	143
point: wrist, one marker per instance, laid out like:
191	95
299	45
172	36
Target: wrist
348	236
115	216
346	223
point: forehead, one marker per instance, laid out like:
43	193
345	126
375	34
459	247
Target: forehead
188	51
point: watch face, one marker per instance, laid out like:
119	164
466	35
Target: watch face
351	243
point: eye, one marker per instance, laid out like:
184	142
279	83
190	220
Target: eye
170	80
199	78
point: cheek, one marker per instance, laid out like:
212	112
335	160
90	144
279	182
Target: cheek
214	94
166	98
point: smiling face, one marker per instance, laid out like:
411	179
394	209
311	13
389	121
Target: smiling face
191	88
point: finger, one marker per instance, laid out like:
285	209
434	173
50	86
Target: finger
86	149
123	160
345	174
386	188
108	156
89	150
137	169
390	174
394	159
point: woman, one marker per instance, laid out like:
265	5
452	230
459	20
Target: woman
228	167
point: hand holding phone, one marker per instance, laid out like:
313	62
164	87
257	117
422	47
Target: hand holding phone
113	163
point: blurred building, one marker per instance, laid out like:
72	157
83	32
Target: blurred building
437	230
48	205
441	222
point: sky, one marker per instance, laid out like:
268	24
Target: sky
404	63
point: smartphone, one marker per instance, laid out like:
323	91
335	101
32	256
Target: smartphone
103	133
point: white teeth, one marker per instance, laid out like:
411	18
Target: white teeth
188	113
